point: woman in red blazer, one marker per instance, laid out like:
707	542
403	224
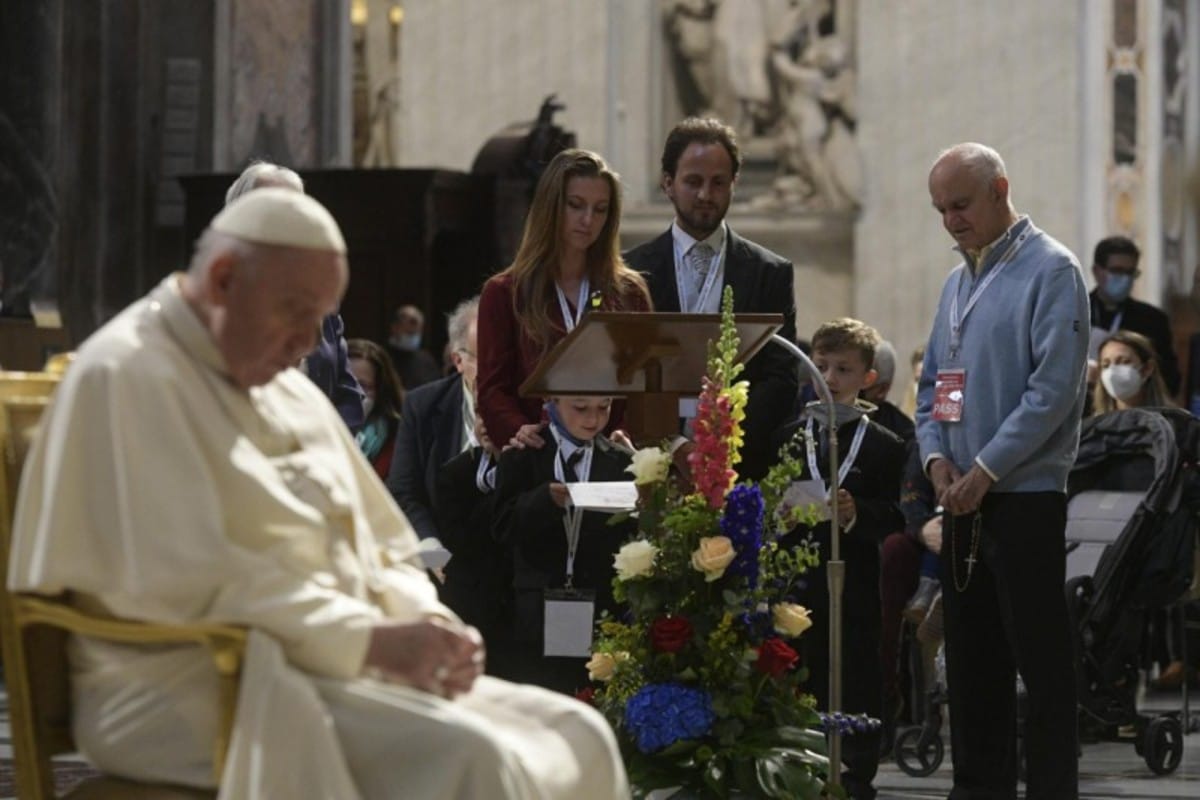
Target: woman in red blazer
569	260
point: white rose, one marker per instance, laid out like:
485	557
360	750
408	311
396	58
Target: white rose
714	554
650	465
790	619
634	559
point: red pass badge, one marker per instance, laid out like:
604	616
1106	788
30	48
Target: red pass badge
948	395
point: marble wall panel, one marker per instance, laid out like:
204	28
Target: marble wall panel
933	74
275	89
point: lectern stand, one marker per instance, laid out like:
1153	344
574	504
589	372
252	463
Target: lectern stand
652	359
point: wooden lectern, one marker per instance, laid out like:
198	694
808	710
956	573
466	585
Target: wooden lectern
652	359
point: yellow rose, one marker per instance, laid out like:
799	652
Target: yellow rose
712	556
650	465
601	666
790	619
634	559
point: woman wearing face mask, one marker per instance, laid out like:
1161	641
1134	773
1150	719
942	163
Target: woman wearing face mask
381	407
1129	374
1130	378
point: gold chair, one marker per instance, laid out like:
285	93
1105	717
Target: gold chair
57	364
27	384
33	634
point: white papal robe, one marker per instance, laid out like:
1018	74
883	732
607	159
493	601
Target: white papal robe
159	491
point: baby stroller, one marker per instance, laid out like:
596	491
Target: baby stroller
1131	531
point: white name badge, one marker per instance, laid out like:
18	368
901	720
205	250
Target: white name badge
569	615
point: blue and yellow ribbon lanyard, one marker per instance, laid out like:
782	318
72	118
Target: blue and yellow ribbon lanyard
572	516
581	303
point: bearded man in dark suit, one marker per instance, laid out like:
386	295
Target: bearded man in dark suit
688	266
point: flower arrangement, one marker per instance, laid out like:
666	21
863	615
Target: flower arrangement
699	679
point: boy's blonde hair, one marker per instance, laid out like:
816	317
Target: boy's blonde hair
845	333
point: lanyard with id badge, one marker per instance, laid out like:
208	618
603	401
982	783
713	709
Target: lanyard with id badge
950	384
569	613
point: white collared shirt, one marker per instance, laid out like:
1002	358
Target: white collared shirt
710	302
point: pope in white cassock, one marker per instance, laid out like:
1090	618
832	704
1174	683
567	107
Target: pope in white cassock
186	472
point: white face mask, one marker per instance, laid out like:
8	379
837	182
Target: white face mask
1121	381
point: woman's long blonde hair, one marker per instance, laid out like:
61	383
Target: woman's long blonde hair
1154	390
536	265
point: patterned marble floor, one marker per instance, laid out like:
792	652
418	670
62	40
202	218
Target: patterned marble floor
1108	771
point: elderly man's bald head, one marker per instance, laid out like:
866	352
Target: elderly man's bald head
968	186
269	268
978	159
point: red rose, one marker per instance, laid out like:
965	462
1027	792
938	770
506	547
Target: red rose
670	634
586	695
775	657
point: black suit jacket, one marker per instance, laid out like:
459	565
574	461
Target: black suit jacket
529	521
762	282
895	420
874	482
430	434
1150	322
329	368
478	583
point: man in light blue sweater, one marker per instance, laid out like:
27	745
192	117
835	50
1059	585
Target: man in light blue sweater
998	411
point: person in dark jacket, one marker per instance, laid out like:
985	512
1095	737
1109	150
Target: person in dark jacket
689	265
436	424
871	459
478	579
555	546
1115	268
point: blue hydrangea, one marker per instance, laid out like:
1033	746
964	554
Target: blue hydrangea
661	714
742	523
848	724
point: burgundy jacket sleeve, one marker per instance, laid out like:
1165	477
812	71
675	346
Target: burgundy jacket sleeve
500	373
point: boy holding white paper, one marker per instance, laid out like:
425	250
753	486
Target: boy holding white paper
562	555
870	463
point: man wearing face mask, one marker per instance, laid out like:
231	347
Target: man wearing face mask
1115	267
415	365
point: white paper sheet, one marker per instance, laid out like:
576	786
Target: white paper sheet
608	496
805	493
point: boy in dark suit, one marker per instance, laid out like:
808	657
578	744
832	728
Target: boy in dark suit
554	545
871	459
478	578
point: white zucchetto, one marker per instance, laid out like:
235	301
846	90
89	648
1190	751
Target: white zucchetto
283	217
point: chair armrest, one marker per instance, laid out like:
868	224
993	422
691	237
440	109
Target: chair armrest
229	640
226	645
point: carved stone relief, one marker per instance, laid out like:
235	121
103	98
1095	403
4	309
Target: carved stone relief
782	73
1174	167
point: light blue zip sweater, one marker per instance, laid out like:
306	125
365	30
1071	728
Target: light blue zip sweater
1024	349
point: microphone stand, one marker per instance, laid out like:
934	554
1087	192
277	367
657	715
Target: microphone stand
835	567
